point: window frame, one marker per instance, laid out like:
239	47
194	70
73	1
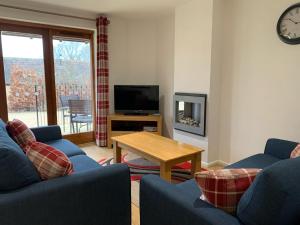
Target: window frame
48	32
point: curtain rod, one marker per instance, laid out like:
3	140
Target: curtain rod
46	12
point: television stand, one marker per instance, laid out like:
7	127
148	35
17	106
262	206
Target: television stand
120	124
136	114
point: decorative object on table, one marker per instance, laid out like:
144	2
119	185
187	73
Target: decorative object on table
288	26
224	188
150	129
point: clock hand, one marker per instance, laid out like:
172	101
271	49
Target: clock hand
295	22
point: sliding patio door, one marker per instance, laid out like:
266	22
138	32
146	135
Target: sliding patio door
24	74
73	82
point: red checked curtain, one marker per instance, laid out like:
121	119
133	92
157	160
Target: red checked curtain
102	106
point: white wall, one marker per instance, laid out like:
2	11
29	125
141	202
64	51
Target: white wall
193	32
165	70
193	27
215	80
259	81
132	53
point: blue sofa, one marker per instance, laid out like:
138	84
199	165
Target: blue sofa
272	199
92	195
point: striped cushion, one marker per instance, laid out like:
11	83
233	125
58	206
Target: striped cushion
20	132
224	188
49	162
296	152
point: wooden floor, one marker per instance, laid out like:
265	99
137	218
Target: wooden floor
135	215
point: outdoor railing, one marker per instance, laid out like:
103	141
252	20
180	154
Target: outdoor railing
31	103
34	99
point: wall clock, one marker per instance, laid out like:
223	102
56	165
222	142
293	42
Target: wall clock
288	26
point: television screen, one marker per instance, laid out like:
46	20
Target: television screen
136	99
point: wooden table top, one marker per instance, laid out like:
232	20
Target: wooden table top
158	147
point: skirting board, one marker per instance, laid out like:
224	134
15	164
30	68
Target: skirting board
219	163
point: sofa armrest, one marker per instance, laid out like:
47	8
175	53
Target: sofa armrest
162	203
95	197
47	133
279	148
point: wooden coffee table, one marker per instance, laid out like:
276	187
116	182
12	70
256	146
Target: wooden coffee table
155	148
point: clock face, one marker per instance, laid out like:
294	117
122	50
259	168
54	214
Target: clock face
288	27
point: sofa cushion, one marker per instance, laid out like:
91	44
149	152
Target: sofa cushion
50	162
280	148
190	188
274	196
83	163
256	161
66	147
47	133
224	188
296	152
20	132
16	170
191	192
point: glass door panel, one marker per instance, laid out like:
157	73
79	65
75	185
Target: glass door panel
24	73
73	80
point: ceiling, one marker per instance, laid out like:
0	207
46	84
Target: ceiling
125	8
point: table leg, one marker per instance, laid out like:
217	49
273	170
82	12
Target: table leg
196	164
165	171
117	153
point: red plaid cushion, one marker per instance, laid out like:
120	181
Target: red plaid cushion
224	188
296	152
20	132
49	162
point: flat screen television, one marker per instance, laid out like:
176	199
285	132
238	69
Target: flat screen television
136	99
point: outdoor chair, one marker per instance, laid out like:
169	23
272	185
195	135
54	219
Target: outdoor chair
80	114
64	101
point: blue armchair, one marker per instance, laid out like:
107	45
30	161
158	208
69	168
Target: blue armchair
92	195
273	198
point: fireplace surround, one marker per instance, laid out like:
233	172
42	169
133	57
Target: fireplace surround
190	113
